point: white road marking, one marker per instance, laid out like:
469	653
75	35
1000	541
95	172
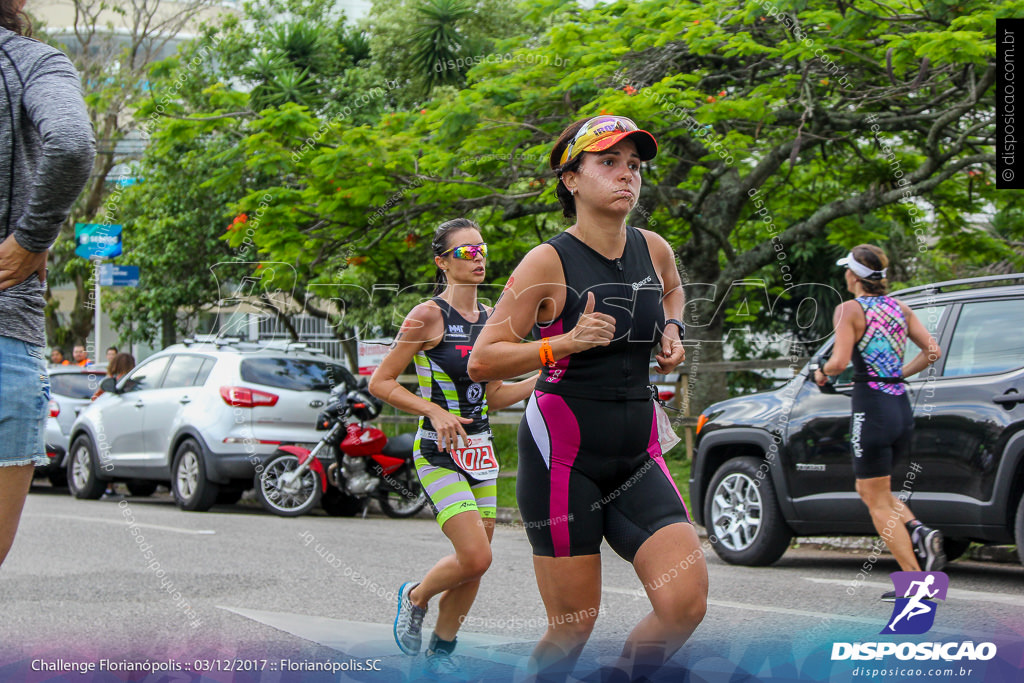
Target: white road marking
121	522
955	593
795	612
832	617
361	640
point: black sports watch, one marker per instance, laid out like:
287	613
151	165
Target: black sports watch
679	324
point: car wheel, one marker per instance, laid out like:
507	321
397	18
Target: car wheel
954	547
745	525
1019	532
141	487
192	490
338	504
83	481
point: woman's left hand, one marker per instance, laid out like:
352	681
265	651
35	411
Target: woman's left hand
672	354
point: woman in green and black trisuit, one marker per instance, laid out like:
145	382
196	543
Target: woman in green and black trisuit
455	456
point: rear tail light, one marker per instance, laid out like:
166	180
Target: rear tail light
54	408
243	397
701	421
666	395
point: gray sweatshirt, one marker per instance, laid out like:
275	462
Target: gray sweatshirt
47	149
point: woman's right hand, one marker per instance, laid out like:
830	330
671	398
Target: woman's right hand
592	329
449	429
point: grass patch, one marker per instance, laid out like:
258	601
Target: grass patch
507	492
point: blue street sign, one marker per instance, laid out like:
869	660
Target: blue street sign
118	276
95	240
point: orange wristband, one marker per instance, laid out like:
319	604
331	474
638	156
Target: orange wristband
547	356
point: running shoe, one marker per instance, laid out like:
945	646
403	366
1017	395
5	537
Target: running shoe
889	596
441	663
408	621
929	550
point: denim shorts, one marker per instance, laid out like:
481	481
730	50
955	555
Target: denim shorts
24	403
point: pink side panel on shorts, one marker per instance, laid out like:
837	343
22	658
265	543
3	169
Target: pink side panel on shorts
565	446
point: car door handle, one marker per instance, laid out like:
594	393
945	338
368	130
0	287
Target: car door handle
139	404
1009	398
184	399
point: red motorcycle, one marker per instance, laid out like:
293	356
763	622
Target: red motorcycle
362	463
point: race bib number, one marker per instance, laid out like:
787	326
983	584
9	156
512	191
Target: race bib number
477	459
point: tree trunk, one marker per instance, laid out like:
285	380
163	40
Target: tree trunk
168	331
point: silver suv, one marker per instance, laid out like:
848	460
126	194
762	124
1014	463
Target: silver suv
201	416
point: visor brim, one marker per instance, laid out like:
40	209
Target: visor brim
646	145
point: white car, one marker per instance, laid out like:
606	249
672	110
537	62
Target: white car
71	390
201	416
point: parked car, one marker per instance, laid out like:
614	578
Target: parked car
71	390
201	416
775	465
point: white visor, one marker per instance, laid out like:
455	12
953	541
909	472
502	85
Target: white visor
859	269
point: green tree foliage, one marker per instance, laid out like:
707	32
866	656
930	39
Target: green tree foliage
423	44
788	132
112	44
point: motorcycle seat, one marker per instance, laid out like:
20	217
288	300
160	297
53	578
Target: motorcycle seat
399	446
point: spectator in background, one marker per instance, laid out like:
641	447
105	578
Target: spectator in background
57	357
47	149
111	352
120	366
80	356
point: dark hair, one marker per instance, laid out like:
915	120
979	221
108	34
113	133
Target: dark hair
439	245
875	259
14	19
121	365
112	348
565	197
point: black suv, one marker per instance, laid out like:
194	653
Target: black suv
775	465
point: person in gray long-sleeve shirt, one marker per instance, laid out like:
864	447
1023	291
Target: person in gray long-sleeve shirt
47	148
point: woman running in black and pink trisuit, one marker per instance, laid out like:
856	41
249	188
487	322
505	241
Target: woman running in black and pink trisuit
598	297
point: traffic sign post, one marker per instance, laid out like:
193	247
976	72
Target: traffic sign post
119	276
97	241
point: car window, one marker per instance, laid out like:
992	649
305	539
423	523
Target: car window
296	374
989	337
932	317
146	376
204	372
75	385
183	371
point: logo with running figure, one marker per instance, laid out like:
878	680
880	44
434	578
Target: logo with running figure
916	593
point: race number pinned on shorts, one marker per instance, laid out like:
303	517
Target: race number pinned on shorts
477	459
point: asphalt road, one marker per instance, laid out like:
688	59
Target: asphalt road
236	583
